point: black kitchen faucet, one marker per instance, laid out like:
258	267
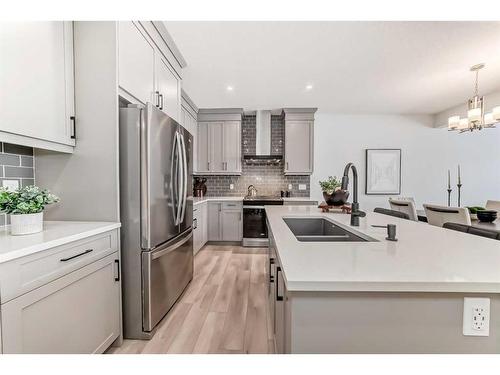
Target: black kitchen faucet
355	212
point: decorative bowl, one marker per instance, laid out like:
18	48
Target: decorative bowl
337	198
486	216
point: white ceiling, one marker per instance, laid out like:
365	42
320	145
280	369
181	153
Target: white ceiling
354	67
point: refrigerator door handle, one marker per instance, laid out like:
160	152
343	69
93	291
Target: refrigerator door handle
161	252
185	178
144	184
174	173
180	180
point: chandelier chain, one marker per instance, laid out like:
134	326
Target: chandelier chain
476	90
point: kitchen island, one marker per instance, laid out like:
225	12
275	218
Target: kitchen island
379	296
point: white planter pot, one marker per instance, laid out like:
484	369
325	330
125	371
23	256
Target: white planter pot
26	224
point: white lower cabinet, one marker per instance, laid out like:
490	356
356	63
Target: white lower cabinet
66	299
199	226
224	221
78	313
231	225
278	300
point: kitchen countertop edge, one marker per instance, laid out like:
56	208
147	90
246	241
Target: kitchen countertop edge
42	245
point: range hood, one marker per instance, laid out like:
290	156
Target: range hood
263	141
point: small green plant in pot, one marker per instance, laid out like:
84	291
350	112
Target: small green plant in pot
332	193
25	207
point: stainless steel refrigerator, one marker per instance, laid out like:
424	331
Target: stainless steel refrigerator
156	210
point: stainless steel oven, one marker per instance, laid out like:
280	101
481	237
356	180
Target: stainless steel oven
254	220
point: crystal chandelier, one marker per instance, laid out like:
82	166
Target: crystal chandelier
476	118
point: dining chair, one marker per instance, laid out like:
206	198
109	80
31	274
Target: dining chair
488	233
493	205
406	205
385	211
438	215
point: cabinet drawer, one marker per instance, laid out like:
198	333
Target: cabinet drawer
232	206
27	273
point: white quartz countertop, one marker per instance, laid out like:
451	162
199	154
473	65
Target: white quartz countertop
198	200
55	233
424	259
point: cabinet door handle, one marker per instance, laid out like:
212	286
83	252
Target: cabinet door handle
157	95
278	297
77	255
208	165
271	277
73	123
287	166
161	101
117	277
195	223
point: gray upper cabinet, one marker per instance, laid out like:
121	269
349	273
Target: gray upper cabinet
146	71
232	146
219	141
203	157
37	84
299	140
216	162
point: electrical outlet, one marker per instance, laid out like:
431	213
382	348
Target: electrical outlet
476	317
10	184
302	187
231	186
290	186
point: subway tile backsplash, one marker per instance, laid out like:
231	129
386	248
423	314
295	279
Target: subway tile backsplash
16	164
268	179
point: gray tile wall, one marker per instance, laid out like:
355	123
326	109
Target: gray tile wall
17	164
268	179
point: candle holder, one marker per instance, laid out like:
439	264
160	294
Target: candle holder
459	186
449	190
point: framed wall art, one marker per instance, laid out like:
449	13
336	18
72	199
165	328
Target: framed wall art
383	171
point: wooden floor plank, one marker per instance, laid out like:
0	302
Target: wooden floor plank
224	309
256	339
210	335
234	326
185	340
225	290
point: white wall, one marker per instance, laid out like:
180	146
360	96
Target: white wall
427	154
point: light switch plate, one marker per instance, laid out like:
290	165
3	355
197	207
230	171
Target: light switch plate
476	317
231	186
302	187
290	186
10	184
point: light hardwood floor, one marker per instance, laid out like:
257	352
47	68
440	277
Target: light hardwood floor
224	309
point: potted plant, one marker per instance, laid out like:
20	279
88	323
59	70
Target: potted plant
25	207
473	211
333	194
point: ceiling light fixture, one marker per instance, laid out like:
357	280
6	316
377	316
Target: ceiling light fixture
309	87
476	118
229	88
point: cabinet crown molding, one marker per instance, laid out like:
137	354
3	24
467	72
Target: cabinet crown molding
188	104
299	113
220	114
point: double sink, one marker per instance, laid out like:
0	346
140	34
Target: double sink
318	229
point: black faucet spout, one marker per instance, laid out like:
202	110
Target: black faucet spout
355	211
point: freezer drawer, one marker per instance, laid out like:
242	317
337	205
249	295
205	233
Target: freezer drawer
166	272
